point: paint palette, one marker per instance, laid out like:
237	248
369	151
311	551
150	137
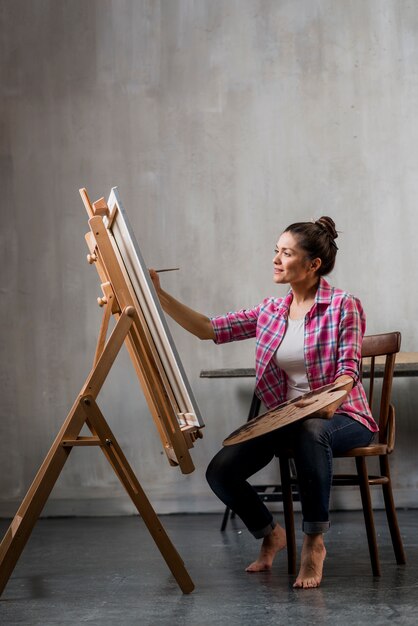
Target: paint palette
305	406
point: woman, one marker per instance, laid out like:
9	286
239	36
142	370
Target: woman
305	340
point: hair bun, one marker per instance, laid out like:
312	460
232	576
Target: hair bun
329	225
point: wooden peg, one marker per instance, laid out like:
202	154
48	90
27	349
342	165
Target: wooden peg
109	297
91	258
100	207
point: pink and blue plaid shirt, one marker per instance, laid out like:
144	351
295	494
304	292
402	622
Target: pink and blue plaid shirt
334	329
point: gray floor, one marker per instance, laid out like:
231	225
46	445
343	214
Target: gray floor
108	571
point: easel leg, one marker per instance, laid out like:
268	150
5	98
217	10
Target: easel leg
117	459
85	410
21	527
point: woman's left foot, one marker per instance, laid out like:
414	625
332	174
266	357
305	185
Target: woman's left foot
312	562
272	543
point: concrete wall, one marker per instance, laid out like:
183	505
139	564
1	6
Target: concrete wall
221	122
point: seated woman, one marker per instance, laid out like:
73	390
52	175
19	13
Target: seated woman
309	338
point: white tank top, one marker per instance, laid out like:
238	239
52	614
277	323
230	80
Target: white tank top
290	358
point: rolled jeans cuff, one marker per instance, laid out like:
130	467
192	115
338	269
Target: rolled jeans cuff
259	534
314	528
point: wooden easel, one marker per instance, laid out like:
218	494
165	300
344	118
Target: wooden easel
118	300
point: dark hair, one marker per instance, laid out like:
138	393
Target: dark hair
318	240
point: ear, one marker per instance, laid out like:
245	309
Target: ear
315	264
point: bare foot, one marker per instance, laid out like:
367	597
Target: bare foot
272	543
312	561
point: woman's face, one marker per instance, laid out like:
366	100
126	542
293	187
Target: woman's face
290	262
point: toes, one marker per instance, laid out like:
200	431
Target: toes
309	583
257	567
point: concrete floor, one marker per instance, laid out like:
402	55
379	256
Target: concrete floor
108	571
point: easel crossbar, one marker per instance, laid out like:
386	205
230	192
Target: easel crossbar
82	441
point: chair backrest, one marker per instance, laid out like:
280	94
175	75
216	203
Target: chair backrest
385	345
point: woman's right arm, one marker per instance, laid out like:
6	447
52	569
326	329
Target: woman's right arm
196	323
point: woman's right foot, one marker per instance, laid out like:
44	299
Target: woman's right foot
272	543
312	562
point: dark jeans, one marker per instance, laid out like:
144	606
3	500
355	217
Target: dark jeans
314	441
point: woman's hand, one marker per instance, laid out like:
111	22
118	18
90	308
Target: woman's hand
155	279
345	384
345	381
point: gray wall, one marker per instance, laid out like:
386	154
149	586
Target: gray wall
221	122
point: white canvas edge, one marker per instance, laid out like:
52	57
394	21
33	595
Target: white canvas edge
144	290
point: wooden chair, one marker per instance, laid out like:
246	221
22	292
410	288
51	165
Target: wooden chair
385	345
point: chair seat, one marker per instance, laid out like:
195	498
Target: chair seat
373	449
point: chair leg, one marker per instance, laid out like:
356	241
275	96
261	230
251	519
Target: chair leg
391	513
225	518
288	514
368	513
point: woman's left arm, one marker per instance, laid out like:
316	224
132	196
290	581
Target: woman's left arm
350	337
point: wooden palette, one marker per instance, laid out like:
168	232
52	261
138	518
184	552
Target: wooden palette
289	412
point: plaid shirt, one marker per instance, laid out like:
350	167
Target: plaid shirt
334	329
